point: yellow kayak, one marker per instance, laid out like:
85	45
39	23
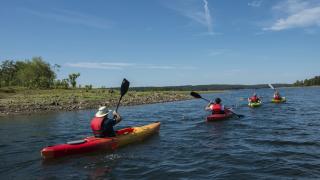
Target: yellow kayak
283	99
254	104
138	134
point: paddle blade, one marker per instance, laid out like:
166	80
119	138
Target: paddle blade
195	95
240	116
270	85
124	87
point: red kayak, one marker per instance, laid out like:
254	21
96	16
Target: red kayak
217	117
93	144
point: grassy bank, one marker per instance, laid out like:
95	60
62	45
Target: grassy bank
17	100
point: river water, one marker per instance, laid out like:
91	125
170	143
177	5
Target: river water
274	141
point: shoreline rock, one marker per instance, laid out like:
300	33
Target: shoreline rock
76	105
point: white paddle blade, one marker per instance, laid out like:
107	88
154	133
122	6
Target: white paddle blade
270	85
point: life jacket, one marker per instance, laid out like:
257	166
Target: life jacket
277	97
216	108
96	126
254	99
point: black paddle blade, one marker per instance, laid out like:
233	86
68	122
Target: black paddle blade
124	87
240	116
195	95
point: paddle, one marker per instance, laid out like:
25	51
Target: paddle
198	96
123	90
270	85
238	115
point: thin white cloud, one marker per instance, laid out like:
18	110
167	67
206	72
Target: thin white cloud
297	14
157	67
122	66
255	4
193	11
217	52
72	17
291	6
92	65
207	16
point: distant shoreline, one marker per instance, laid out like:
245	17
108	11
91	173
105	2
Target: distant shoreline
55	100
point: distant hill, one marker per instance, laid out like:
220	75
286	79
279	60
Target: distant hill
211	87
308	82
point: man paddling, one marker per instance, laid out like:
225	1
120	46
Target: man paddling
102	126
276	95
254	98
216	107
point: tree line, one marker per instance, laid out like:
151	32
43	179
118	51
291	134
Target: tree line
34	73
308	82
211	87
37	73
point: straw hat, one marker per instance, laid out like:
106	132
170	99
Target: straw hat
102	112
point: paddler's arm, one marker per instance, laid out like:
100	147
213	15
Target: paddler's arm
116	117
208	106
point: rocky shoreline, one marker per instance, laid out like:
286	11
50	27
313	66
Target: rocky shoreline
30	105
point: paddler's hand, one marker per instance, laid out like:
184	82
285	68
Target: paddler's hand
116	116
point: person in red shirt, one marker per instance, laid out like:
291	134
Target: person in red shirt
254	98
216	107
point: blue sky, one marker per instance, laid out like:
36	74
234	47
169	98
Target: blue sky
167	42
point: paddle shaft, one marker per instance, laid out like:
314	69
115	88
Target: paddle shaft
238	115
205	99
118	103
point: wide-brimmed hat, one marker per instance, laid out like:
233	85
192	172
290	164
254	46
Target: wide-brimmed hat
103	111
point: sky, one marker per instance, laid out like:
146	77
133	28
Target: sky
166	42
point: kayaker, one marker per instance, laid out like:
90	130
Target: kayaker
216	107
276	95
101	125
254	98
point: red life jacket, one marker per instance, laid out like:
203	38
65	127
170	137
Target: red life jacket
254	99
96	126
277	97
216	108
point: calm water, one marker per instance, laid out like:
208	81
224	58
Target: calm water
274	141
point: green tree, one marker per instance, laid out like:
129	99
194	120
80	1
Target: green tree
309	82
65	83
88	87
73	79
8	71
35	73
